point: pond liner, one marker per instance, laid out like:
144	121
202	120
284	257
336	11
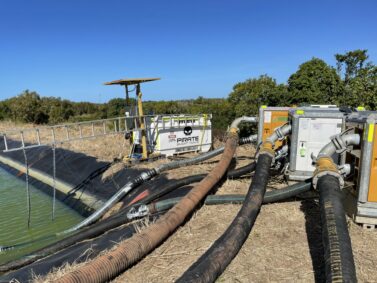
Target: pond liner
77	253
129	198
86	233
79	175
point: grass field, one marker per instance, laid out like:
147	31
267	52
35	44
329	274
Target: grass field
284	246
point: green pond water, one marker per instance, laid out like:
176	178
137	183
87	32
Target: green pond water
13	217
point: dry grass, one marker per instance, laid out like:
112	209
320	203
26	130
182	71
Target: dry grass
57	273
284	246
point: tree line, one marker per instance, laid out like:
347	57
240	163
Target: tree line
352	82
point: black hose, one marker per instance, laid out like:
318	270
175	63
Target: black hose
211	264
238	172
339	262
172	185
269	197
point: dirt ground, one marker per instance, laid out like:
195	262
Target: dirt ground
284	245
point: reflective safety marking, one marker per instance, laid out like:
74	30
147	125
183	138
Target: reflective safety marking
370	132
300	112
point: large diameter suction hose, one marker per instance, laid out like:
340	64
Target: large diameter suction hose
339	262
147	176
212	263
109	265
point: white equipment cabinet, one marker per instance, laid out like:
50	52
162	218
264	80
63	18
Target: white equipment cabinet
311	130
174	134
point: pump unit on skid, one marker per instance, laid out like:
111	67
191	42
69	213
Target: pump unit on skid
312	128
360	188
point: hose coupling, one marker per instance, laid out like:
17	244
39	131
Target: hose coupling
282	152
280	134
267	148
326	166
137	212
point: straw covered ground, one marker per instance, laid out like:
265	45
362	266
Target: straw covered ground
284	246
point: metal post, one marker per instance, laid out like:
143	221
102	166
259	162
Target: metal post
142	125
28	202
127	97
38	137
53	180
5	142
22	139
53	135
67	133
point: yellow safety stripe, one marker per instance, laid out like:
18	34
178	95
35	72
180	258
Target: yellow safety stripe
370	132
203	131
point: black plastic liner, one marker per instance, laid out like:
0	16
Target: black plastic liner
339	262
77	253
157	189
83	173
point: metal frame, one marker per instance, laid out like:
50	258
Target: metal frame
88	129
356	201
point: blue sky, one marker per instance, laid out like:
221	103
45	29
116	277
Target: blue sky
69	48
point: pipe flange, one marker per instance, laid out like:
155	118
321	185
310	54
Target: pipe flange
324	173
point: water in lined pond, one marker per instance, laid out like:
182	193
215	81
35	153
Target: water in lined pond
14	215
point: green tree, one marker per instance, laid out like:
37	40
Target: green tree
248	96
27	107
315	82
116	107
351	63
5	112
360	79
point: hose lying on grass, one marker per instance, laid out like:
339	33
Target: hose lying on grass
109	265
339	262
269	197
214	261
147	196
